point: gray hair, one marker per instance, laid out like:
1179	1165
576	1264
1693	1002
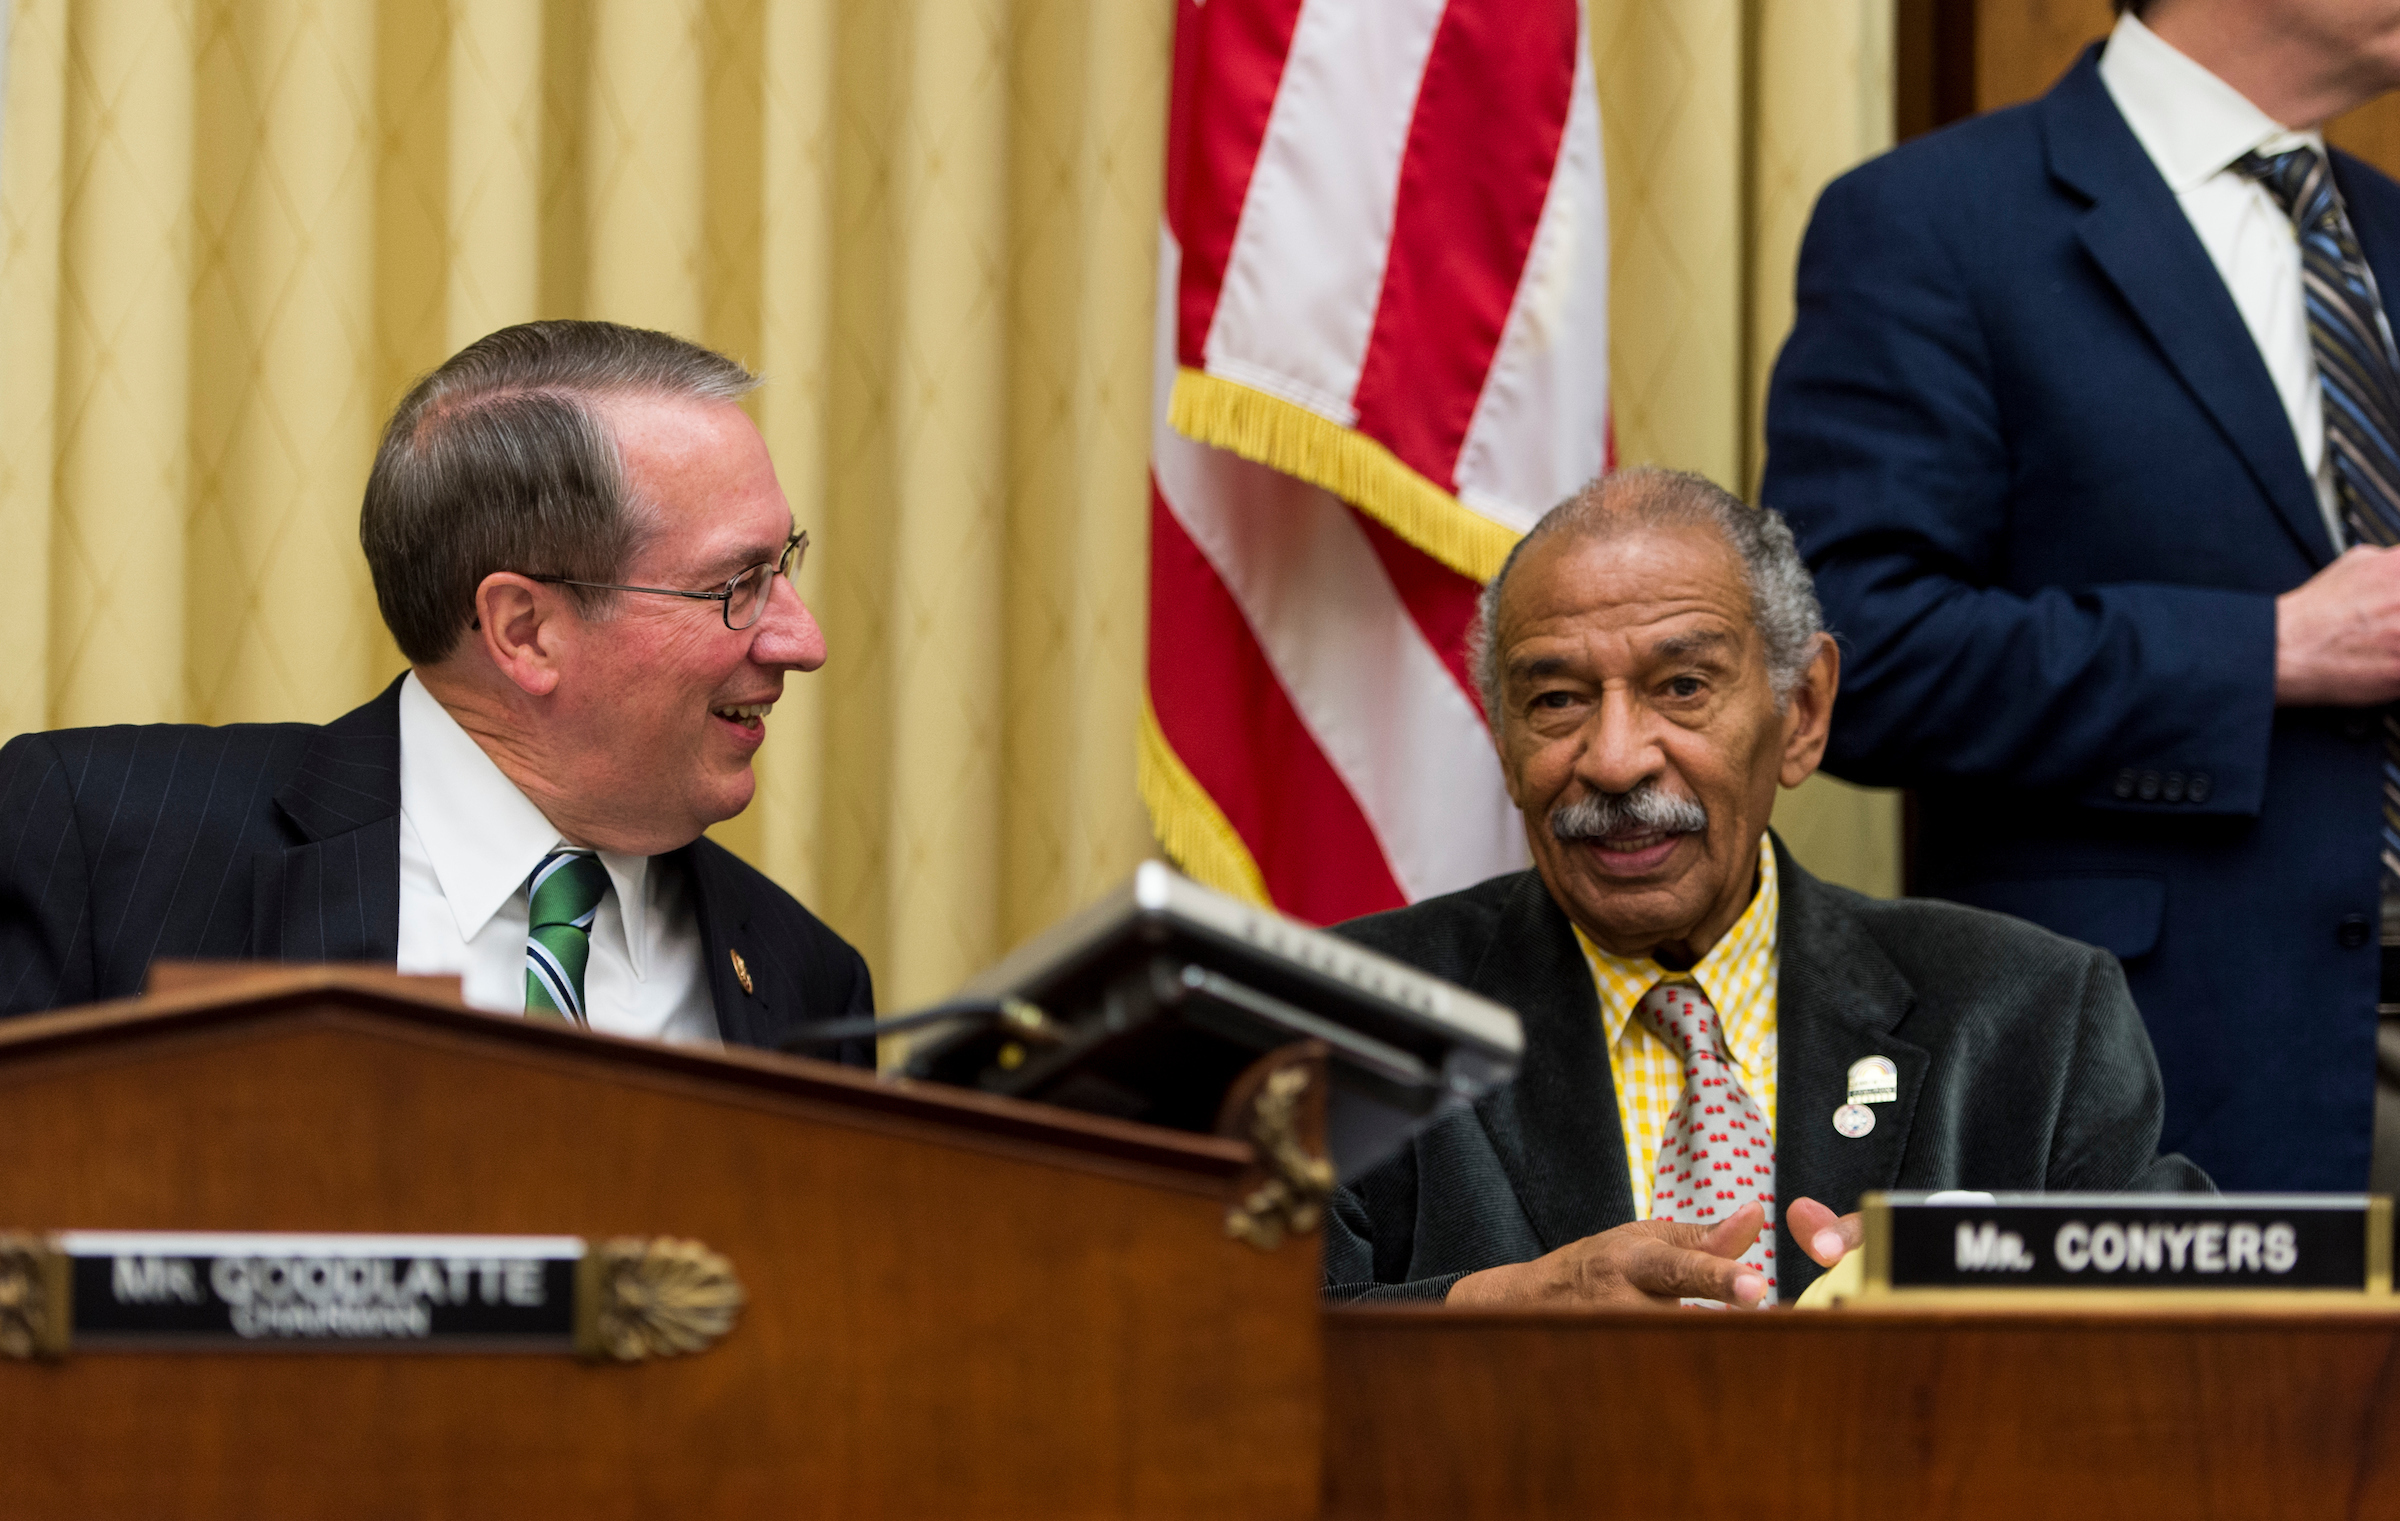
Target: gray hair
1783	600
502	460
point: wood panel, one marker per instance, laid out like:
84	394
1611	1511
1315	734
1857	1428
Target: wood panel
2372	132
1836	1415
1933	65
2021	47
956	1309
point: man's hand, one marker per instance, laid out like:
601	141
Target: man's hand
2337	634
1824	1235
1650	1262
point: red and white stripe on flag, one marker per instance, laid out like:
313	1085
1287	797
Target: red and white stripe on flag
1382	354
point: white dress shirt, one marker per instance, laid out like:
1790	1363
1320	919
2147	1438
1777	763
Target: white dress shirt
469	840
2194	125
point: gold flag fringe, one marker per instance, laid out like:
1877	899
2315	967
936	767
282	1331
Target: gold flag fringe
1284	436
1190	826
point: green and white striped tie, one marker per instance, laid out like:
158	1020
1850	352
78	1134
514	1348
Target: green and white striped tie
566	888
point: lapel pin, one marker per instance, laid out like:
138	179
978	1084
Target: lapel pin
1874	1080
741	970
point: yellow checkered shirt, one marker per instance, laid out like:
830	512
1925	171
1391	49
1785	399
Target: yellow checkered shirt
1738	976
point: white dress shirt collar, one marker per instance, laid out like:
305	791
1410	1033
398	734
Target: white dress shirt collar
2191	123
483	836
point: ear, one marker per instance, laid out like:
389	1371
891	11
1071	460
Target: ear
524	628
1808	713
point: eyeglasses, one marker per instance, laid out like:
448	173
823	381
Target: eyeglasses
745	596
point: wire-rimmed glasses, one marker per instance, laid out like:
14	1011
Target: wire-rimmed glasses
744	597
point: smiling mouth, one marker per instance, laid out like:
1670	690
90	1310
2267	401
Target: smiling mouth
1637	841
1634	853
746	714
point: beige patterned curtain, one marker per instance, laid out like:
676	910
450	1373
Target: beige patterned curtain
232	230
1722	120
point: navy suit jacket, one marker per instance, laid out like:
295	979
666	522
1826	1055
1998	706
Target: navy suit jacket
2050	495
281	842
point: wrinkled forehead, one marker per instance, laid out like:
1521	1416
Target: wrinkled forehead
668	437
700	471
1666	590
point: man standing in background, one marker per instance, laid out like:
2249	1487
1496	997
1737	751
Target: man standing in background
2089	426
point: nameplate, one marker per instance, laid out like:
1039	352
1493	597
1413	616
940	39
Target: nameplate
618	1300
2085	1243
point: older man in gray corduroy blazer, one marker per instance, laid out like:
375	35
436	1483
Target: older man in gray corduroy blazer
1653	665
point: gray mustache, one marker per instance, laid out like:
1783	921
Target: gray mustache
1602	814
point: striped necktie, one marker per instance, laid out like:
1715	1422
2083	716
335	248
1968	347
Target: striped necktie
566	889
2356	366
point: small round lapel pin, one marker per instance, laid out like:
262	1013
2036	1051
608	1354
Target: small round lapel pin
741	971
1854	1120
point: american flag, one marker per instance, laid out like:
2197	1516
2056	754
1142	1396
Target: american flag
1382	354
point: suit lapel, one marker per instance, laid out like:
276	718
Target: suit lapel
756	1015
2138	235
335	896
1838	999
1555	1128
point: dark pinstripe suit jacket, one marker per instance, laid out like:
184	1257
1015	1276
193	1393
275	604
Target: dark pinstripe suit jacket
2023	1065
282	842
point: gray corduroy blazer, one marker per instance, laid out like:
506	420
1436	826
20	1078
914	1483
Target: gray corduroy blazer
2023	1065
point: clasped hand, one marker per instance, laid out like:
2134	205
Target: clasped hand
2337	635
1656	1262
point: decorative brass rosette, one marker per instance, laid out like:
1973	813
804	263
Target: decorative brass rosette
33	1297
656	1298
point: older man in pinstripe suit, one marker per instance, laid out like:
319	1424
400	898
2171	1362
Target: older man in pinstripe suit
578	541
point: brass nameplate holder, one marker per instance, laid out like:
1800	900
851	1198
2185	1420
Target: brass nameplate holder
621	1300
2112	1249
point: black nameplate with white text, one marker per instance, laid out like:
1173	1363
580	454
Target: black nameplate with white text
2128	1241
155	1289
625	1299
